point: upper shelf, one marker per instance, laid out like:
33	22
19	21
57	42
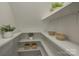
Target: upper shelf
67	9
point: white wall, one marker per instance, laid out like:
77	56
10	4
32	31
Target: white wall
28	15
68	24
6	16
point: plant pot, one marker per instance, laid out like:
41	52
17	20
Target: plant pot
7	34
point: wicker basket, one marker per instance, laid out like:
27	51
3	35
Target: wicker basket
60	36
52	33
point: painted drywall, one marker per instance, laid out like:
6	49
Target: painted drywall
28	15
6	16
68	24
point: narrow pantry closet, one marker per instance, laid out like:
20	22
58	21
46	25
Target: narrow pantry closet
39	28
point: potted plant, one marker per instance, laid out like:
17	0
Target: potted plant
56	5
30	35
6	30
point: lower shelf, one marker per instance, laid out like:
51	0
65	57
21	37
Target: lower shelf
22	49
29	52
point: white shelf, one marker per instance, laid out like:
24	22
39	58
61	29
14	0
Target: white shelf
30	49
38	48
47	49
70	47
67	9
27	40
5	41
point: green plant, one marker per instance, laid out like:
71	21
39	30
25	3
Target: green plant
6	28
30	34
55	5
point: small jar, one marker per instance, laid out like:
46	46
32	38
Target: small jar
34	45
27	46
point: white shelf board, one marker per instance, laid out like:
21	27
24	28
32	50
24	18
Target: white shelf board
45	47
70	47
4	41
67	9
28	40
21	49
31	49
42	42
